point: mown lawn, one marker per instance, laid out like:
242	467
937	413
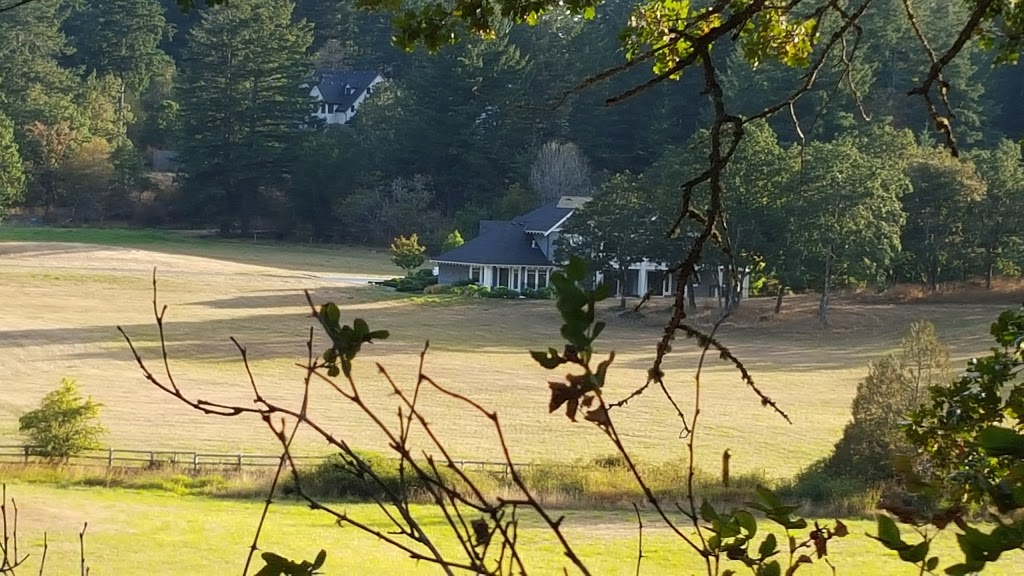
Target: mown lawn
135	532
60	304
327	259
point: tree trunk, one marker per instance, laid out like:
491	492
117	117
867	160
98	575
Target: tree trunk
826	294
691	293
622	287
989	272
778	299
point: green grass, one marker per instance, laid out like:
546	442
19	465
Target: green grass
132	532
327	259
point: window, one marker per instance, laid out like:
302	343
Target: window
504	276
475	273
536	278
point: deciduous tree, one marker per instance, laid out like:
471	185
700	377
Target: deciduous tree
613	231
845	217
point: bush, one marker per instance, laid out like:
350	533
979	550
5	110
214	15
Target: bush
414	283
341	477
65	424
546	293
470	290
437	289
501	292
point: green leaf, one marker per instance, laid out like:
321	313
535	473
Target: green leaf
333	370
320	559
889	533
932	564
598	328
998	441
769	547
361	327
707	512
378	335
772	568
747	521
915	554
330	314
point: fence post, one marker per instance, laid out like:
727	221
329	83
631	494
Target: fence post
195	462
110	458
152	459
27	451
239	462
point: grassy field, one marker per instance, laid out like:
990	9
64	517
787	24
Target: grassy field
133	532
351	259
60	303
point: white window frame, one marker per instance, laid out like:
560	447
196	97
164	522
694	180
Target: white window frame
479	270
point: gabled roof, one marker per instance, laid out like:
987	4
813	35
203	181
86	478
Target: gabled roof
500	243
333	83
543	219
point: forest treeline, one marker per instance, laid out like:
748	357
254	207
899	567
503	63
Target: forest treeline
856	191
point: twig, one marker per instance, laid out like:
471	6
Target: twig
281	462
640	538
81	549
42	560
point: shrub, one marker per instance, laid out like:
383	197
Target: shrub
65	424
501	292
437	289
546	293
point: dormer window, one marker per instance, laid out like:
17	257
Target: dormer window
533	243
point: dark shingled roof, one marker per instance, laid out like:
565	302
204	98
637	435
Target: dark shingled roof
499	243
332	85
544	218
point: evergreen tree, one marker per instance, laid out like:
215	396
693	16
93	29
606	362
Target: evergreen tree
33	85
121	38
244	95
12	178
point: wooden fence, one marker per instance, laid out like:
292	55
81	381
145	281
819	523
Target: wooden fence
196	461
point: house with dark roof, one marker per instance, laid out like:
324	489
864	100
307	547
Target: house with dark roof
515	254
520	254
340	92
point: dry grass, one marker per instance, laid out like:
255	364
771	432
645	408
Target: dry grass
60	303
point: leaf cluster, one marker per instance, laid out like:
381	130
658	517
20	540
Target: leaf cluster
346	341
580	329
277	565
732	535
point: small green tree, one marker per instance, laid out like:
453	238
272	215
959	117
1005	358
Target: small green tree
895	386
65	423
407	253
452	241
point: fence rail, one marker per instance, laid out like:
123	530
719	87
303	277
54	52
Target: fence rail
195	461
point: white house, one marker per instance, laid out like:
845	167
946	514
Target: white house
521	254
341	92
